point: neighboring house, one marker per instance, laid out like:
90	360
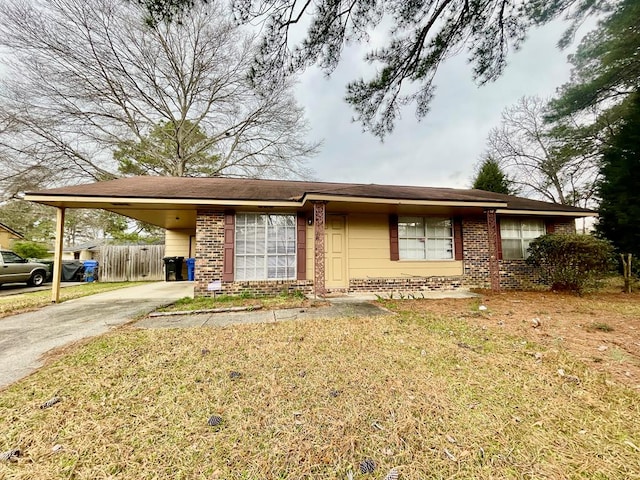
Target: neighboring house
84	251
268	235
8	235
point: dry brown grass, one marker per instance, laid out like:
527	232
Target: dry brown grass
434	395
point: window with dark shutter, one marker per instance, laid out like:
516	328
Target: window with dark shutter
457	238
228	249
393	238
301	247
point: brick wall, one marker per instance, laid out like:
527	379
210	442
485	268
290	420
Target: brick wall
516	274
406	284
209	262
268	287
563	225
209	249
476	251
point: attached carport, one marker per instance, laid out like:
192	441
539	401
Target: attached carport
171	203
170	214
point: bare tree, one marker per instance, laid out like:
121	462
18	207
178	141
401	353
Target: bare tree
84	76
554	162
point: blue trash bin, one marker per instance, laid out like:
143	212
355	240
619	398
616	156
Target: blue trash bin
191	269
90	270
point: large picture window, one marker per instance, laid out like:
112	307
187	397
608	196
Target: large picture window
265	246
517	235
425	238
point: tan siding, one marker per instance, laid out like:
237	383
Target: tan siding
369	255
6	238
177	243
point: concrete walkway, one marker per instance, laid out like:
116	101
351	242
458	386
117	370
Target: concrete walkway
24	338
348	305
352	308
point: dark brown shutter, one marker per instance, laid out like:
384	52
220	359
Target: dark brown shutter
550	225
229	245
301	247
393	237
499	240
457	238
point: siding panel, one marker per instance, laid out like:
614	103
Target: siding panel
370	255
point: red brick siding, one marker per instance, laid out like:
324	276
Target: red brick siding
413	284
476	251
564	225
516	274
209	249
268	287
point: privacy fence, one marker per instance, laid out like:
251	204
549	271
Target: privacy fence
131	263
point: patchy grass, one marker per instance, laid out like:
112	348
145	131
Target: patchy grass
599	327
23	302
284	300
437	396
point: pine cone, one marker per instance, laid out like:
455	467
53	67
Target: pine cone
367	466
214	421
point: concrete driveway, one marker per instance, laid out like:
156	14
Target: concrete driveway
24	338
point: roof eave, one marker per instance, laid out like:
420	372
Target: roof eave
546	213
312	197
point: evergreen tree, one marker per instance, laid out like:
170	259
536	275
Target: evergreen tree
491	178
619	188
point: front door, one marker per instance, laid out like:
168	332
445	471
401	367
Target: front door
335	244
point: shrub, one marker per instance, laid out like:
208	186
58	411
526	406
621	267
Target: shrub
571	262
27	249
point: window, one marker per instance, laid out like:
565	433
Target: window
10	257
517	235
265	247
421	238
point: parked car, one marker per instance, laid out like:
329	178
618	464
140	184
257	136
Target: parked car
15	269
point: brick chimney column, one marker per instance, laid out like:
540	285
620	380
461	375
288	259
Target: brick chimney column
494	264
319	217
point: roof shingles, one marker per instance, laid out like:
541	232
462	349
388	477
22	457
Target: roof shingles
238	189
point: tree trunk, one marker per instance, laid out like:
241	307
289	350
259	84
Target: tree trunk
626	271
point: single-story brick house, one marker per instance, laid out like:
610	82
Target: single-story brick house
271	235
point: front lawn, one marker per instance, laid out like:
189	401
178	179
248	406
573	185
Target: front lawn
435	394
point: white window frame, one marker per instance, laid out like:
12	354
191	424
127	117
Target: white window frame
426	238
521	230
254	254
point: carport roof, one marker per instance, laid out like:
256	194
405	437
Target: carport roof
234	191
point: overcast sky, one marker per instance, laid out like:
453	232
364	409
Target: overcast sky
443	148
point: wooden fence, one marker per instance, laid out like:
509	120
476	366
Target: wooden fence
131	263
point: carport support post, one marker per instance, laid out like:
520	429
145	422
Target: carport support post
57	255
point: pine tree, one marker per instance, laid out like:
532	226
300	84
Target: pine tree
619	188
491	178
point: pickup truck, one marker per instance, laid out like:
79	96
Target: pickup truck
15	269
